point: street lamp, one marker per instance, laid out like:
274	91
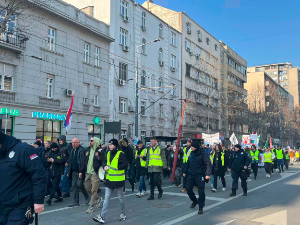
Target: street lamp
137	87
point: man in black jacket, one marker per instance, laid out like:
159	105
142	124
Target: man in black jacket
129	156
93	160
64	147
45	155
199	169
238	165
77	171
23	183
56	162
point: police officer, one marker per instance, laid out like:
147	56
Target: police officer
199	169
23	183
238	165
186	153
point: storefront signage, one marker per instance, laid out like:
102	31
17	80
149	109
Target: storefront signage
48	116
96	120
12	112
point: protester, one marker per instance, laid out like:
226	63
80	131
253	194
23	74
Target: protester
178	167
186	154
199	169
287	159
280	156
268	162
44	158
129	156
115	179
238	165
218	167
141	158
254	154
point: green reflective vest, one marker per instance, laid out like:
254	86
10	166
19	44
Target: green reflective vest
213	156
297	154
254	155
186	154
279	154
143	153
268	157
155	157
287	155
113	174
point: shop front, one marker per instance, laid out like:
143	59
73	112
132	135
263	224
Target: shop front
10	122
95	129
48	126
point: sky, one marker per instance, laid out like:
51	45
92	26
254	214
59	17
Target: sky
260	31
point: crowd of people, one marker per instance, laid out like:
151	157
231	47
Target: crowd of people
69	167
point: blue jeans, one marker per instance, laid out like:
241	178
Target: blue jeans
142	183
280	165
64	184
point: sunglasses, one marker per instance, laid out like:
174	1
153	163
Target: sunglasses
91	140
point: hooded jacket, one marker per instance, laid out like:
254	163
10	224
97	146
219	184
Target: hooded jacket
127	150
23	177
99	155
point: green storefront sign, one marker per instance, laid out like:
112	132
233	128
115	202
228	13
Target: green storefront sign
48	116
96	120
12	112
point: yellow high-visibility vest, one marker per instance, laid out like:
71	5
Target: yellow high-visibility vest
113	174
268	157
155	157
255	155
186	155
212	158
143	153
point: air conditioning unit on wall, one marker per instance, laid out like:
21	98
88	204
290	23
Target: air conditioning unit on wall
69	92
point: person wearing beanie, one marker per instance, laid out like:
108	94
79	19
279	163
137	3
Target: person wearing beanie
56	161
115	166
199	169
23	183
238	166
186	153
140	161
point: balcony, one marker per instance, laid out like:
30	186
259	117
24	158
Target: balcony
13	41
44	101
6	96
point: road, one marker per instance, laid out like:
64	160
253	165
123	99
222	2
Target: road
270	201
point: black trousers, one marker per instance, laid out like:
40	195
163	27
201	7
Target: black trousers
16	217
286	163
216	181
55	186
235	180
254	167
199	182
155	181
268	167
77	185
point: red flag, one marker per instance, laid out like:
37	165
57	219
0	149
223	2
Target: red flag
271	145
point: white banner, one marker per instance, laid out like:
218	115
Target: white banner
233	139
211	138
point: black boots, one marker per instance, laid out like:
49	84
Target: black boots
245	193
200	210
193	205
160	194
233	193
150	198
59	199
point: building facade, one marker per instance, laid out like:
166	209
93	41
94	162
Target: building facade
284	74
159	70
64	52
234	94
200	68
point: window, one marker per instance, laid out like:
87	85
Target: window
199	35
153	81
143	135
198	52
188	94
188	70
144	46
280	73
143	107
97	56
187	45
173	113
173	89
94	131
6	77
161	30
123	8
49	86
143	79
9	126
47	129
86	52
152	109
160	83
123	70
198	75
11	24
215	83
96	95
123	134
123	36
285	72
173	38
143	19
123	105
51	39
207	78
207	57
152	133
207	41
188	28
85	93
161	110
173	61
216	47
160	55
273	67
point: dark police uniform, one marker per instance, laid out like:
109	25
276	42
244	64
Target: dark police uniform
198	166
237	162
23	181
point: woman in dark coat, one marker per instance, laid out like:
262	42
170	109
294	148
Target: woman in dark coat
218	162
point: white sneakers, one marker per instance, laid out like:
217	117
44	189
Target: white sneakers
214	190
268	175
223	189
140	194
99	219
122	217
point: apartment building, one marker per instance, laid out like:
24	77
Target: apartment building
266	102
284	74
159	67
200	68
234	94
62	53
